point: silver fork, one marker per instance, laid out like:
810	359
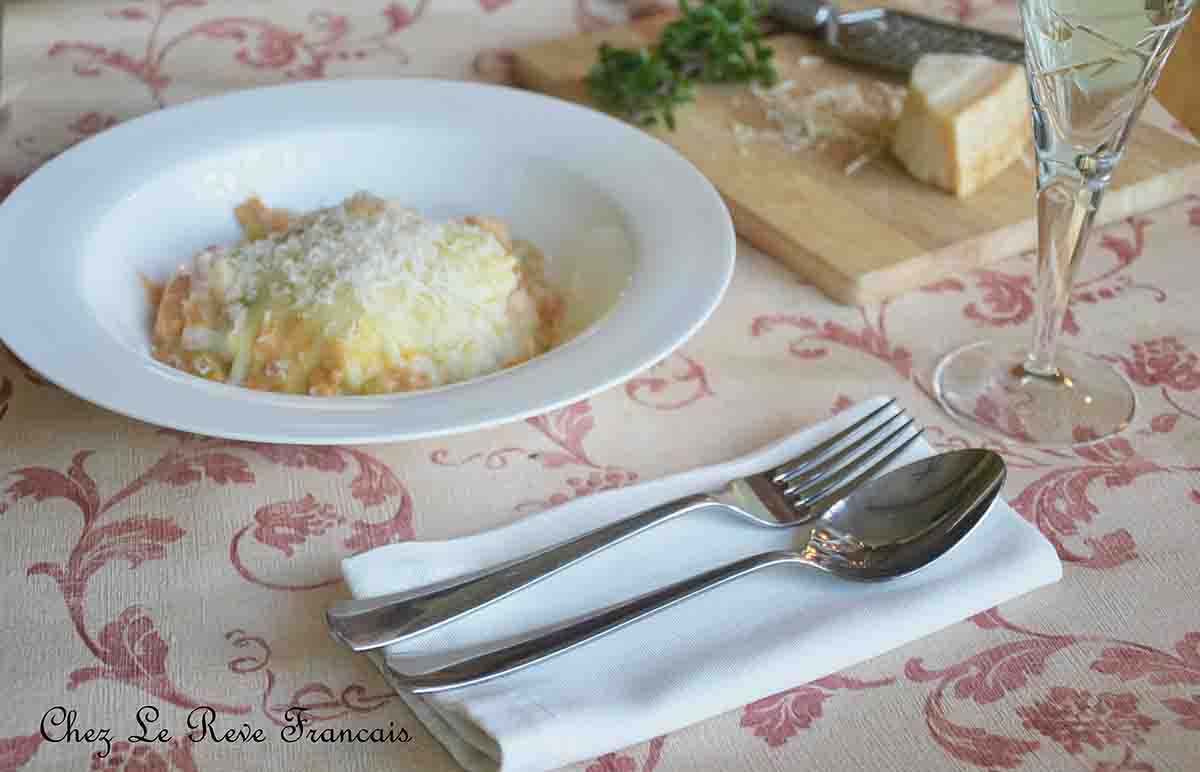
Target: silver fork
787	496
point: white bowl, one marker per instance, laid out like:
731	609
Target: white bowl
639	241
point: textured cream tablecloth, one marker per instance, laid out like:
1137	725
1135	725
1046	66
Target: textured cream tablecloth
143	568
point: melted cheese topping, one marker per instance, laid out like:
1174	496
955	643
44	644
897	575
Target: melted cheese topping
361	298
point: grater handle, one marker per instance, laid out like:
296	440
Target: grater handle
803	15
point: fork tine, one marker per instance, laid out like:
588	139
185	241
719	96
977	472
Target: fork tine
817	486
816	471
815	454
831	495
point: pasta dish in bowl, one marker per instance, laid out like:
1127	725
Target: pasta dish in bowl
308	312
365	297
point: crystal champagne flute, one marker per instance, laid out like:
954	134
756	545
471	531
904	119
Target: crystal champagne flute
1091	65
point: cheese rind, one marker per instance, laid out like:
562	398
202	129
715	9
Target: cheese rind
965	119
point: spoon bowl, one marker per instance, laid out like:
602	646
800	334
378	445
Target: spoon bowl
904	520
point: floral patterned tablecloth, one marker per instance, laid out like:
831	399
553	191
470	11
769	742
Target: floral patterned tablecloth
143	569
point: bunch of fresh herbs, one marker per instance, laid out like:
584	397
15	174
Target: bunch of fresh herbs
717	41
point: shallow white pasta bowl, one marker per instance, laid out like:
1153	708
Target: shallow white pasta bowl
640	243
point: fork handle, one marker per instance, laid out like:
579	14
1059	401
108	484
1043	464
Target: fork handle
372	623
563	638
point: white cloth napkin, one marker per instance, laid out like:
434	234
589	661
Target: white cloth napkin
746	640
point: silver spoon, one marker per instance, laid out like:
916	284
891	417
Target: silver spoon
891	526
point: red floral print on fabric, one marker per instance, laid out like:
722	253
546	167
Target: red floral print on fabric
1188	710
320	701
92	123
15	752
260	43
1163	362
1167	363
619	762
984	679
1132	662
1005	418
871	339
173	756
42	146
567	430
288	523
1074	718
672	384
1060	501
129	647
1127	764
778	718
1007	299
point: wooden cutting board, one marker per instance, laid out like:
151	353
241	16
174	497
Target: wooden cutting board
871	235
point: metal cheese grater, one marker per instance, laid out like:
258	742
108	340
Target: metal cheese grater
887	39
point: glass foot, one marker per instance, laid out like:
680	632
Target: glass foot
986	384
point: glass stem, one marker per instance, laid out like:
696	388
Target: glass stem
1066	207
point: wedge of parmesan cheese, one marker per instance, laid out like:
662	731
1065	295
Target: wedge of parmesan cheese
965	119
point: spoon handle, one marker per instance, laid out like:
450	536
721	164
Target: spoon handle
563	638
372	623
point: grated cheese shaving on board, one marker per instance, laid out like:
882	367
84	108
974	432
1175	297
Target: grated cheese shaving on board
863	160
860	115
743	135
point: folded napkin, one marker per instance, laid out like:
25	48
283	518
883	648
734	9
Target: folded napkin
751	638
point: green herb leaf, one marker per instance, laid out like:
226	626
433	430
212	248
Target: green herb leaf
717	41
638	84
